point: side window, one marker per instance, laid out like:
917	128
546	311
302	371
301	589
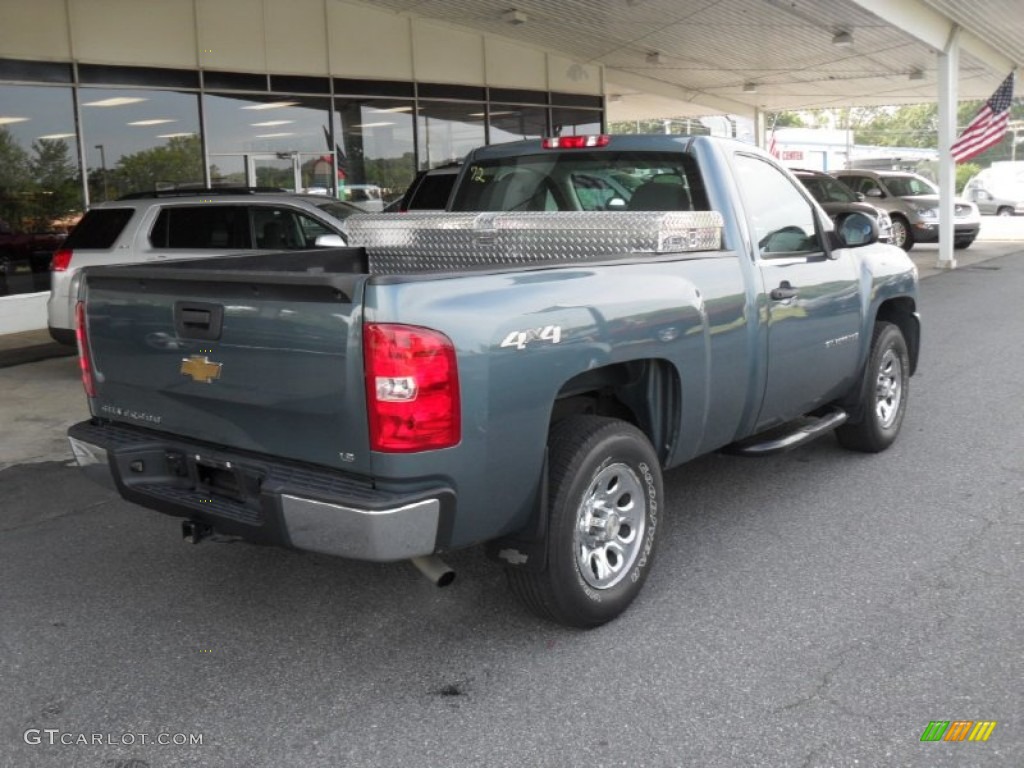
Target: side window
781	219
310	229
204	226
277	229
866	185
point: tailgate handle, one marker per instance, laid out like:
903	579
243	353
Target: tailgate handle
198	320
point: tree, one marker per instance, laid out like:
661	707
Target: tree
179	161
15	180
56	177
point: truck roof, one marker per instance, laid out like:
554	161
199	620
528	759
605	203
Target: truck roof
650	142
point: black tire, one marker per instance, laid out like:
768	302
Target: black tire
882	399
902	234
962	244
594	572
1004	210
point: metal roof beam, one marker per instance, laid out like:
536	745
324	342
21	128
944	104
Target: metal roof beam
933	28
628	80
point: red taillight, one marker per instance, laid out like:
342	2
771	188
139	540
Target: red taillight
84	361
60	261
412	388
576	142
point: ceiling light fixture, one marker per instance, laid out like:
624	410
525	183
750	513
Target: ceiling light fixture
154	121
55	136
750	87
515	16
654	58
116	101
842	38
9	120
273	105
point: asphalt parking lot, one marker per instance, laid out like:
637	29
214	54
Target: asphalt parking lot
817	608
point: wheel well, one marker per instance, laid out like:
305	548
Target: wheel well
902	313
645	393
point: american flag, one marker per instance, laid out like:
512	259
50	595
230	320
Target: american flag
773	147
988	126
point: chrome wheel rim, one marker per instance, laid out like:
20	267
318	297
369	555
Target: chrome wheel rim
889	388
610	524
899	233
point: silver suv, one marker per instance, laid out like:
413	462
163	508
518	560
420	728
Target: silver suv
913	204
187	225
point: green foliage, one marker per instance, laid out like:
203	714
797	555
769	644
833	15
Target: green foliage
36	189
56	174
787	120
964	172
179	161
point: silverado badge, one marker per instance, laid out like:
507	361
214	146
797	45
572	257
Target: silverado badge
200	368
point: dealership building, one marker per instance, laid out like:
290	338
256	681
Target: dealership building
101	98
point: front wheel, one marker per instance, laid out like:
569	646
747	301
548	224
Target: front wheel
961	244
902	236
882	399
1005	211
604	512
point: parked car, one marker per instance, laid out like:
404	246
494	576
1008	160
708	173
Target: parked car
913	205
839	200
24	258
368	197
429	191
187	225
989	202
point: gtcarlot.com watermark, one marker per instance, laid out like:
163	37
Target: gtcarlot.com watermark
56	737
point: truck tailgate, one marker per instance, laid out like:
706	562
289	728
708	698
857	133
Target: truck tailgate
255	353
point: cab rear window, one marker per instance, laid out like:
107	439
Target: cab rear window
99	229
583	181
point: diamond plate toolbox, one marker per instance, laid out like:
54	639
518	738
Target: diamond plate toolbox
441	242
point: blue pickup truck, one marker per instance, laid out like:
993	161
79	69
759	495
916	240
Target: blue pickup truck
517	371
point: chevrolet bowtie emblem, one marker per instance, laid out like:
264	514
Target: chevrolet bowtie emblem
200	368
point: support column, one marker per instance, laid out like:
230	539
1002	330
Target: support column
949	68
760	127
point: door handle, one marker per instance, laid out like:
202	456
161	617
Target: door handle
198	320
784	291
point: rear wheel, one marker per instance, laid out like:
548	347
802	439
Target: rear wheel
882	399
1005	211
902	236
604	505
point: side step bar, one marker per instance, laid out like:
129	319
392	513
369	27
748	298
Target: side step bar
789	436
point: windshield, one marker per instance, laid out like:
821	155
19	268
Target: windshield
908	186
825	189
583	181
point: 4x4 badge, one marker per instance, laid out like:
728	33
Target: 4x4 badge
200	368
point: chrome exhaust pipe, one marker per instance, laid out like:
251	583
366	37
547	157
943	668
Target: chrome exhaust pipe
435	569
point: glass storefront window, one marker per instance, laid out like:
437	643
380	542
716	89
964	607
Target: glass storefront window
566	121
448	131
40	188
139	140
270	141
376	150
510	122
